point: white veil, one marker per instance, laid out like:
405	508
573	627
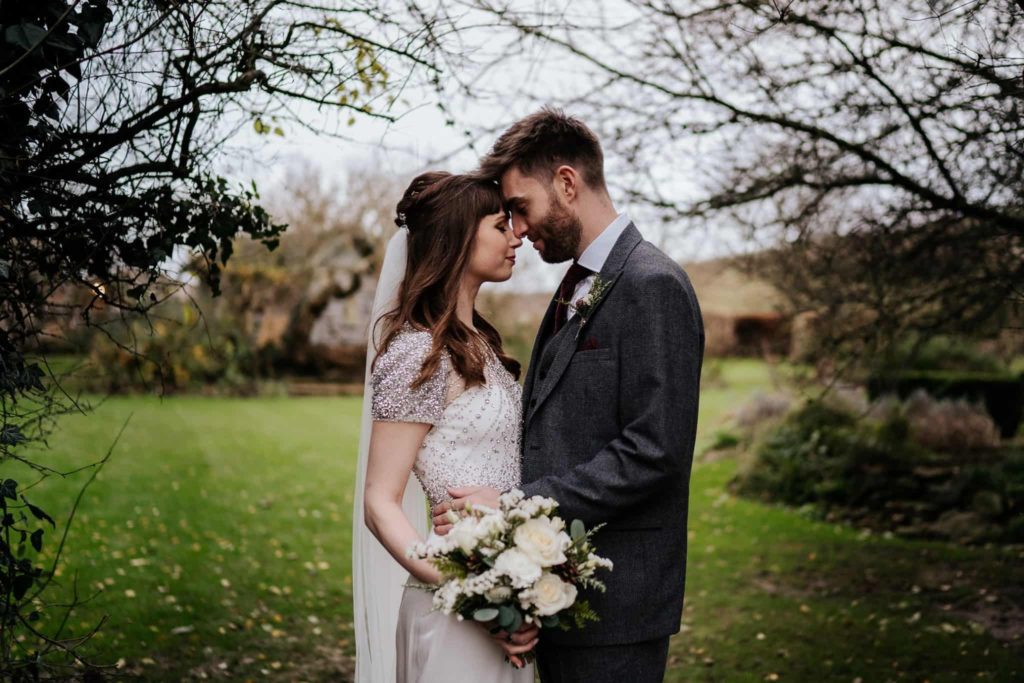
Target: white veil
377	579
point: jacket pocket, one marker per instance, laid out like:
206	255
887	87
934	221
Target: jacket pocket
591	355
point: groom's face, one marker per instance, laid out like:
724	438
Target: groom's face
540	216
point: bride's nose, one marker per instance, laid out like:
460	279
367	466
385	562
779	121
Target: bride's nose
515	241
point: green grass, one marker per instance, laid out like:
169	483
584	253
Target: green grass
220	533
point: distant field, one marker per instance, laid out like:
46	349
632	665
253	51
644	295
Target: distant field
217	541
726	290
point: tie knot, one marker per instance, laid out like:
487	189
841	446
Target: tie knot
574	276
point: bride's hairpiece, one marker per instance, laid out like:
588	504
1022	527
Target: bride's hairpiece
404	225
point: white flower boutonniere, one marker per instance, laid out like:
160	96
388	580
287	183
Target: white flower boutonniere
584	307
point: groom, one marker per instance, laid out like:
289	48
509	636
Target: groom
609	403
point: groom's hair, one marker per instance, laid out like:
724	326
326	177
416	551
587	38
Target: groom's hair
538	144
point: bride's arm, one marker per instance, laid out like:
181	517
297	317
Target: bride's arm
393	448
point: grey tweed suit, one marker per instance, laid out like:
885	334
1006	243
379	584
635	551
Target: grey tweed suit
609	422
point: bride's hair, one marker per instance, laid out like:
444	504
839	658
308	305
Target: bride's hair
441	211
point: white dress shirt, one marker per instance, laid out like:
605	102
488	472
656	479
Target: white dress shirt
594	256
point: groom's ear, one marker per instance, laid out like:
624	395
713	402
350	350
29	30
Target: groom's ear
567	182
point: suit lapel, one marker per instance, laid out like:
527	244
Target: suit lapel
566	338
535	356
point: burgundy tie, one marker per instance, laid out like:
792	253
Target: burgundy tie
573	277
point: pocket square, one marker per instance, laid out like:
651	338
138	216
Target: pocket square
588	344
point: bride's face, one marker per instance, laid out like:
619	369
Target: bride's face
494	249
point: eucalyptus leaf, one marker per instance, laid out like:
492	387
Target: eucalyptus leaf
485	614
506	616
577	530
517	621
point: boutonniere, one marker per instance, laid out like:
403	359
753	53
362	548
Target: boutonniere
585	306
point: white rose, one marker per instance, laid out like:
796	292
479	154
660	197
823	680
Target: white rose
466	534
518	567
543	541
491	525
498	594
550	595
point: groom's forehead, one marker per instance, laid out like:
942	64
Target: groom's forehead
515	185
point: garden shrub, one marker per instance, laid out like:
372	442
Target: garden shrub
873	471
762	407
170	356
1001	394
940	352
949	425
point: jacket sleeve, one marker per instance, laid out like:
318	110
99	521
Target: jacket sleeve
660	361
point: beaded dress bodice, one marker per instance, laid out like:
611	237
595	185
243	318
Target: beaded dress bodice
474	440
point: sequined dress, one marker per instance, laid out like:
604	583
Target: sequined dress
473	441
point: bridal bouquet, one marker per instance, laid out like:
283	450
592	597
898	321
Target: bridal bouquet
514	565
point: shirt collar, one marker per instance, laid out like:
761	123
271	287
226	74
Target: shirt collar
594	256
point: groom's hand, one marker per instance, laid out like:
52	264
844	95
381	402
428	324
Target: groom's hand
477	495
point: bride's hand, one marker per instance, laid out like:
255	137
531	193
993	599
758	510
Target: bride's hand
517	644
477	495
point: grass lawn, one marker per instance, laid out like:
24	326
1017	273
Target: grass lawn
217	541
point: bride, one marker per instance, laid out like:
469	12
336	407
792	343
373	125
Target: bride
444	404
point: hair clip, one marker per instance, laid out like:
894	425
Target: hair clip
404	225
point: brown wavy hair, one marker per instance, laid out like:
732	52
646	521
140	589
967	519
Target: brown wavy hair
442	212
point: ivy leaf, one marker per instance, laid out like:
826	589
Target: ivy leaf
39	513
59	86
22	583
91	32
37	540
11	435
26	36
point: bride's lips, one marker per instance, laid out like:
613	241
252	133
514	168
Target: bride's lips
511	258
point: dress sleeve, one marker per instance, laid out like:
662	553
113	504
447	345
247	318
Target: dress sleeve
394	399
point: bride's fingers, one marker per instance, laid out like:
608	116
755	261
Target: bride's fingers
513	649
523	637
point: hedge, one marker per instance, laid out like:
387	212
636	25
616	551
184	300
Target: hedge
1001	394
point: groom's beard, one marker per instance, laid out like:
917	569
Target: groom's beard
561	231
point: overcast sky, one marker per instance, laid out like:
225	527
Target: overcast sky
420	139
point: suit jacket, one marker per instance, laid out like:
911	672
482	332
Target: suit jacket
609	423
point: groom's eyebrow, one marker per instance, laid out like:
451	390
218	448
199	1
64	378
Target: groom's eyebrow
513	201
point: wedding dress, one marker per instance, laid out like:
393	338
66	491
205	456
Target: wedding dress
474	441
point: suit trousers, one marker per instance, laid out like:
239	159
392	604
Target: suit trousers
642	662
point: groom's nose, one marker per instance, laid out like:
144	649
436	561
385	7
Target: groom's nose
519	227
